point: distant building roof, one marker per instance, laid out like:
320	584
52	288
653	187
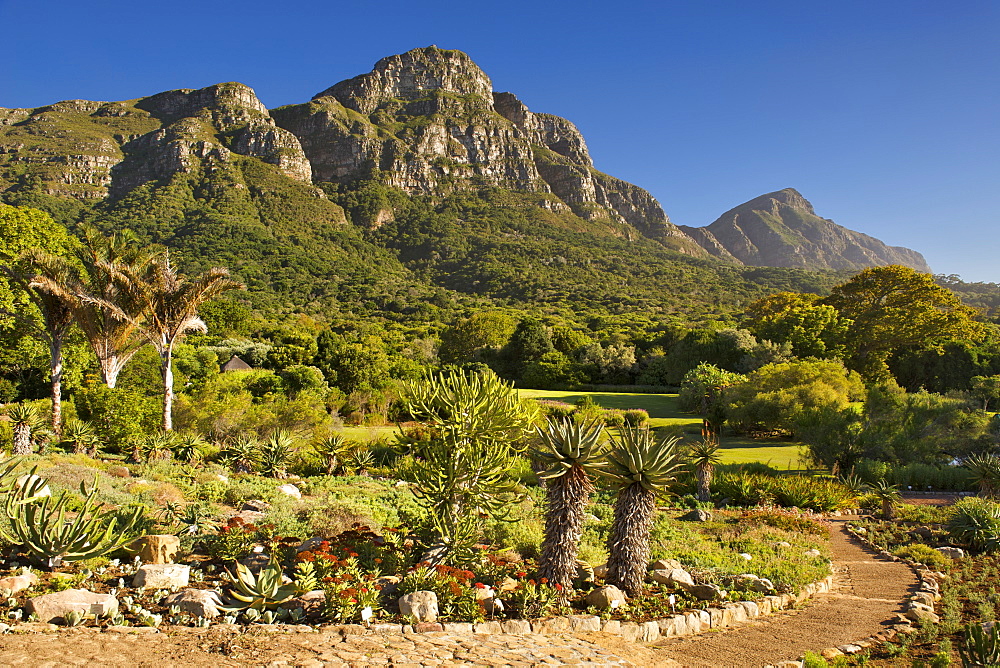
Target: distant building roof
236	364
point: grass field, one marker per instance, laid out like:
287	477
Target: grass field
663	412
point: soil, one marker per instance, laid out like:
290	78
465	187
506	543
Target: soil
868	593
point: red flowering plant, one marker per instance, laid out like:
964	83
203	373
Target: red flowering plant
530	599
353	593
388	552
237	537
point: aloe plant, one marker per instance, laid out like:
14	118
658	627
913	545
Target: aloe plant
41	526
242	454
641	468
275	453
889	496
572	453
25	419
705	456
258	592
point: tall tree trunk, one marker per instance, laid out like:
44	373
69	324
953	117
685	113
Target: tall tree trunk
168	389
56	368
22	439
566	499
628	543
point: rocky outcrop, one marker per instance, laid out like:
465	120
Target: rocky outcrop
88	150
781	229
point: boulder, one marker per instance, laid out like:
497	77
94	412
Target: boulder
51	607
198	602
18	583
921	614
706	592
697	515
311	603
951	552
30	478
601	571
157	549
290	490
675	576
421	605
666	565
924	597
608	597
162	576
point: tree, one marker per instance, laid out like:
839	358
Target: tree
811	327
32	243
896	307
641	468
572	453
772	397
464	340
986	389
25	422
93	292
162	305
472	424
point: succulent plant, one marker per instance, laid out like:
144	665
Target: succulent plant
642	468
258	592
40	524
73	618
980	647
571	452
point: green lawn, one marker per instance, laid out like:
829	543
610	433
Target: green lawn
663	411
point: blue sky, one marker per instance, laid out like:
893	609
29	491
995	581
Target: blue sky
883	114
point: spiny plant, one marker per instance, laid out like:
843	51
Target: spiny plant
976	522
985	469
275	453
39	523
25	421
79	436
889	496
242	454
332	451
571	452
158	446
189	448
704	455
258	592
641	468
980	647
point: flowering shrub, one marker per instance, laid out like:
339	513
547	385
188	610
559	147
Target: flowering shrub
456	594
531	598
785	518
235	538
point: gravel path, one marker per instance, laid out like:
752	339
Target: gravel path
868	592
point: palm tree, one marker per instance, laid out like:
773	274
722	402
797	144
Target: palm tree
57	316
705	456
642	468
162	305
87	290
570	453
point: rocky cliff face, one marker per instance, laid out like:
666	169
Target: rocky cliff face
88	150
781	229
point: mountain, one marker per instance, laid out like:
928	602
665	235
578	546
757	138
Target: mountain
781	229
405	190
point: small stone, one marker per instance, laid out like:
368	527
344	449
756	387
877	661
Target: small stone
516	627
427	627
924	597
51	607
648	632
458	627
157	549
601	571
850	648
608	597
746	556
631	631
813	553
675	576
697	515
783	543
585	623
18	583
487	628
831	653
551	626
290	490
421	605
119	472
611	627
922	614
198	602
222	478
162	576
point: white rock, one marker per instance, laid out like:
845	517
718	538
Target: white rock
748	557
674	576
608	597
421	605
197	602
951	552
291	490
50	607
30	478
162	576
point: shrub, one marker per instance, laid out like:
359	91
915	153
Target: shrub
976	522
923	554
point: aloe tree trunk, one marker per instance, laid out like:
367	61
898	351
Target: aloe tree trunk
22	438
628	544
566	499
704	473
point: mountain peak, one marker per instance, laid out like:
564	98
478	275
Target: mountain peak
412	75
